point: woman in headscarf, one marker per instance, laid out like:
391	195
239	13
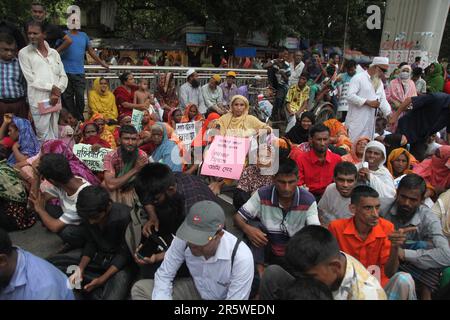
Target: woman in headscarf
191	114
164	151
105	134
166	93
91	136
357	152
174	117
300	132
436	171
21	133
400	163
338	134
102	101
376	175
238	122
201	140
435	78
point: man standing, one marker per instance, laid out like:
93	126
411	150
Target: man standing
122	165
316	167
55	37
191	92
12	84
297	98
416	63
229	87
46	78
343	81
221	266
213	95
73	60
296	68
365	96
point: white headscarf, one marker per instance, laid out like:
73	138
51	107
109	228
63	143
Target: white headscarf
376	145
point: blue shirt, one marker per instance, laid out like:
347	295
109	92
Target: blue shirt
73	56
36	279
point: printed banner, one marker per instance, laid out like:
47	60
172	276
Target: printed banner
93	160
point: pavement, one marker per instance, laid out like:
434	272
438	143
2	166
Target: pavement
41	242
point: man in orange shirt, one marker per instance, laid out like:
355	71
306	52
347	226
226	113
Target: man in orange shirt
365	237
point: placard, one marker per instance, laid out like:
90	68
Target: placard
186	132
136	119
226	157
93	160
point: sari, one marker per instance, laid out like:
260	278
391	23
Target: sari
29	145
201	140
435	81
436	170
102	103
122	95
397	153
164	152
352	156
339	131
106	133
166	92
185	118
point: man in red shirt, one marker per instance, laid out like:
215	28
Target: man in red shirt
316	167
365	237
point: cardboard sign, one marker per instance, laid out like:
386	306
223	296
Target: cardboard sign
136	119
226	157
93	160
186	132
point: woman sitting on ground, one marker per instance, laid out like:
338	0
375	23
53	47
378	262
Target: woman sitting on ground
164	151
102	101
357	152
400	163
191	114
91	136
300	132
104	131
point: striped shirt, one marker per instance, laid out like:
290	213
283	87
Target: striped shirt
12	81
281	223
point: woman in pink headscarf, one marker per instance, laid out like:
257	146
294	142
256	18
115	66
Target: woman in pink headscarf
436	171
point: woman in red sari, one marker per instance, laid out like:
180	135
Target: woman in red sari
91	135
191	114
125	95
166	93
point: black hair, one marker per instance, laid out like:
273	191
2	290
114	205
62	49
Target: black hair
317	128
417	72
3	152
334	54
350	64
36	3
7	38
55	167
345	168
305	75
382	119
153	179
124	76
34	23
402	64
97	128
287	166
127	129
309	247
330	70
5	243
92	201
307	288
413	181
363	191
310	115
416	59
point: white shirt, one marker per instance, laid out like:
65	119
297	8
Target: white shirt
333	206
296	72
213	278
68	203
189	94
360	119
42	73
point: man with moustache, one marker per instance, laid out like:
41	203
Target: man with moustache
191	92
46	79
122	165
365	237
366	98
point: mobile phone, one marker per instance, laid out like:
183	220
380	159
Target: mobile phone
365	165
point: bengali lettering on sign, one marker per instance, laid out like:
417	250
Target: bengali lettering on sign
136	119
226	157
186	132
93	160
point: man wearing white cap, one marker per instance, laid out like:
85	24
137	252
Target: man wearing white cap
366	97
191	92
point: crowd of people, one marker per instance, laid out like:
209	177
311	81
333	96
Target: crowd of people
354	207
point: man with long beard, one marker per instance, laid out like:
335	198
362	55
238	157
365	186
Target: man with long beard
366	98
191	92
122	165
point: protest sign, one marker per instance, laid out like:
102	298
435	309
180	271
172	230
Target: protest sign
226	157
93	160
136	119
186	132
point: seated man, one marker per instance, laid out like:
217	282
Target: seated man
314	252
274	214
64	219
316	167
105	267
365	237
425	252
122	165
220	265
24	276
336	199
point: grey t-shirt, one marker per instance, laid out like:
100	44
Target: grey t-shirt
333	206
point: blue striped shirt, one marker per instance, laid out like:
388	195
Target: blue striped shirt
12	81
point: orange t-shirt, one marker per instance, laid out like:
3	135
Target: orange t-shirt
373	251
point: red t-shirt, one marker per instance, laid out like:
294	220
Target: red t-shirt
312	172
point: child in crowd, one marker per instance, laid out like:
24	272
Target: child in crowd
144	96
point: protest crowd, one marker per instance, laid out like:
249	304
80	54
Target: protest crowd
351	207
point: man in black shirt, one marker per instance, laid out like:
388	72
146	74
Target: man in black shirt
54	35
105	271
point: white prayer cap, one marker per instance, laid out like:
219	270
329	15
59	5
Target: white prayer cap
380	61
190	72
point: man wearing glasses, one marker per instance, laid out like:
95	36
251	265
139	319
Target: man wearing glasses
366	98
